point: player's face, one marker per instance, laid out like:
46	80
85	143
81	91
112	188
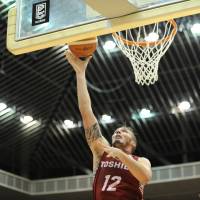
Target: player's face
121	137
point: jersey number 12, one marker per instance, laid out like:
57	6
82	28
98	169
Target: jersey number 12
111	186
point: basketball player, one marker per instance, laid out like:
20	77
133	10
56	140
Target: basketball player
119	175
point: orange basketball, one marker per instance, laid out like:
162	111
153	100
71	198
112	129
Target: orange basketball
83	48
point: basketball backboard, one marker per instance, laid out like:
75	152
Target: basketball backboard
39	24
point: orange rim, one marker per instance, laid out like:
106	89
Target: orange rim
144	44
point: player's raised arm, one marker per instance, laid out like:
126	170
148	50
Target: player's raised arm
92	130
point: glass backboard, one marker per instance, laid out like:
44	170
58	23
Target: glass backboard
38	17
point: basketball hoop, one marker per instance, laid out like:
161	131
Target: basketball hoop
145	52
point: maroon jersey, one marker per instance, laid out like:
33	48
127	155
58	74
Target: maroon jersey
113	181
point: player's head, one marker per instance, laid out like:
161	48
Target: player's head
125	139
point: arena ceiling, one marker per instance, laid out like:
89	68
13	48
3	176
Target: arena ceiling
42	84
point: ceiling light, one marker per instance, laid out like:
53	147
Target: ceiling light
69	124
2	106
106	119
25	119
145	113
152	37
109	45
184	105
195	28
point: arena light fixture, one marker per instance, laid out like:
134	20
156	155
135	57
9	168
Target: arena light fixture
2	106
106	119
145	113
69	124
109	45
195	28
25	119
152	37
184	106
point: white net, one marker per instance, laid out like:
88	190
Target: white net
144	47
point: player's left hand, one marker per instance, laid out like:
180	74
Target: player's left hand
113	152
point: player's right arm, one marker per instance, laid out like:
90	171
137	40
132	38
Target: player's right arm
96	142
93	134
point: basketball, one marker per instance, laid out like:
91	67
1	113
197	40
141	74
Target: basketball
83	48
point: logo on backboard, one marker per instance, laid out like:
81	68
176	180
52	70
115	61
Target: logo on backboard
40	13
